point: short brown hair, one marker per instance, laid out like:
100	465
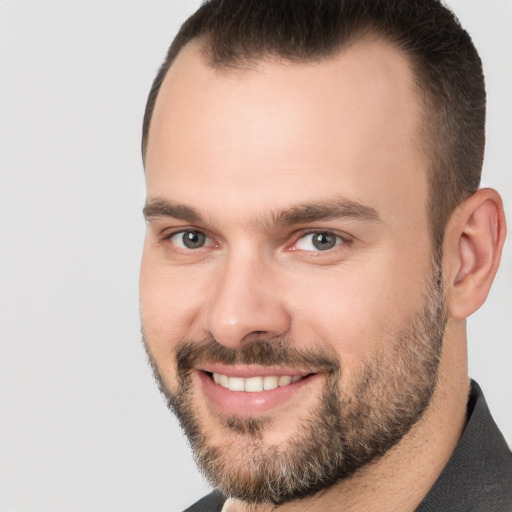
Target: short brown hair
445	62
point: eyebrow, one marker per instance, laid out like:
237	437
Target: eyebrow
328	210
162	208
298	214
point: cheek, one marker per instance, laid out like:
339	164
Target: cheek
169	302
342	313
356	311
169	294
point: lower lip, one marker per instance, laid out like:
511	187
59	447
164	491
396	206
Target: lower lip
243	403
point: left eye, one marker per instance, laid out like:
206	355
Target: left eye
319	241
190	240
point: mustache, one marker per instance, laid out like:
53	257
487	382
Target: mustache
191	353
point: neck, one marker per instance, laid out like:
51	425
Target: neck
401	478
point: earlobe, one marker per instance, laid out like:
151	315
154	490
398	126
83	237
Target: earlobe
473	244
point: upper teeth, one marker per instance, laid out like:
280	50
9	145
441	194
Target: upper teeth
254	384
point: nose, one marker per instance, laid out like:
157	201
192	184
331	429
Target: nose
246	302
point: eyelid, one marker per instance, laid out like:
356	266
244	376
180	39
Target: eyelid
168	232
167	237
344	238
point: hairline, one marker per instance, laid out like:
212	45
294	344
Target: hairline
429	118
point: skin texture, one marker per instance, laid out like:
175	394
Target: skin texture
237	148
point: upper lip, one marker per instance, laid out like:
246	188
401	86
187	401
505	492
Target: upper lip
247	371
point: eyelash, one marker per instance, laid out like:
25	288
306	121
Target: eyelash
170	236
341	240
338	240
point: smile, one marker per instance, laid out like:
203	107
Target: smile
251	391
255	384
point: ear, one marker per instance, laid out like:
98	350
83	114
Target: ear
472	251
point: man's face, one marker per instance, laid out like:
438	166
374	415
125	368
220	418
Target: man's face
288	297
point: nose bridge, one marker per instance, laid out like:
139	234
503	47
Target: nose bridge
246	300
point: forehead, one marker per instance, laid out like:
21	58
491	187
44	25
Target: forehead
346	125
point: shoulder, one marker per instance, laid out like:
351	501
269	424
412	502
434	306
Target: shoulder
213	502
478	476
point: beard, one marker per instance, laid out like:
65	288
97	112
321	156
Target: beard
348	428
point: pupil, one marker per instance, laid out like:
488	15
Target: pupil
324	241
193	239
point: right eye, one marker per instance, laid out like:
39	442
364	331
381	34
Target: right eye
190	239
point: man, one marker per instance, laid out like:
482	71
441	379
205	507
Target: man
316	240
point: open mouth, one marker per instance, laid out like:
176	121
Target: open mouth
247	392
254	384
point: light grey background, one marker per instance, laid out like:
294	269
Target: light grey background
82	425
